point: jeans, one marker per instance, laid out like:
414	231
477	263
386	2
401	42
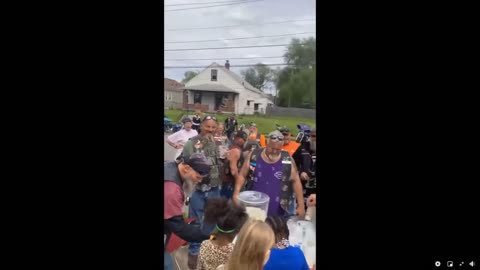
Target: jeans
196	209
168	261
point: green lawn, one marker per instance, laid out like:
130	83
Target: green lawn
265	123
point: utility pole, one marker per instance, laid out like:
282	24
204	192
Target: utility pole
275	98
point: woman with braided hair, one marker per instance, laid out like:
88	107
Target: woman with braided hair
284	256
229	219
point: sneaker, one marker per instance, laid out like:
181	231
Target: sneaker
192	261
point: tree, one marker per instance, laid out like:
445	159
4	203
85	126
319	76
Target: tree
299	90
301	53
296	83
258	76
189	75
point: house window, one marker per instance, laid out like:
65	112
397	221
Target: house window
248	102
197	97
214	74
255	106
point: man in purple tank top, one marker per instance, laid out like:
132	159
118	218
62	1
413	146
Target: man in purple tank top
268	174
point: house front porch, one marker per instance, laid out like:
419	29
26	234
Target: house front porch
210	99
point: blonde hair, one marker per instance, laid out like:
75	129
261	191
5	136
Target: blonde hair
254	240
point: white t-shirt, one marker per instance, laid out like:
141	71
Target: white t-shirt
181	137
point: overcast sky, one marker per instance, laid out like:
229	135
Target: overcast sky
237	14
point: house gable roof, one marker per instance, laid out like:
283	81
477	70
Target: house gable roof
236	77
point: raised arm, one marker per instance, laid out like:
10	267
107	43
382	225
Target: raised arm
240	179
297	189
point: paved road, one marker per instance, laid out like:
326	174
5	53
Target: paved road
180	258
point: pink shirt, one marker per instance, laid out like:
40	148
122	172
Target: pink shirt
181	137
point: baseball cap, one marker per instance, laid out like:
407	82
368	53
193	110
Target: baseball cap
186	120
199	163
283	129
252	124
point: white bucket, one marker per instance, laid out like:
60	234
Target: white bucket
303	234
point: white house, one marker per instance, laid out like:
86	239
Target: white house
216	88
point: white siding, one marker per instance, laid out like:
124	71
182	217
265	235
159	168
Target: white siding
256	98
222	78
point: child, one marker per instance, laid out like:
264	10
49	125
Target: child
229	219
284	256
252	248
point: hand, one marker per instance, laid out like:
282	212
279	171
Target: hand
312	200
304	176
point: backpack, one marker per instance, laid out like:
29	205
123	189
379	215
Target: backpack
286	172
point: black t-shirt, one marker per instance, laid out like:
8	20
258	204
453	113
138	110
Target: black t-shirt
230	124
196	120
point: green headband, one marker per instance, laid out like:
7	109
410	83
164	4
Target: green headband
220	230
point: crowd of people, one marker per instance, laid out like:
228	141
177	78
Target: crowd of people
215	162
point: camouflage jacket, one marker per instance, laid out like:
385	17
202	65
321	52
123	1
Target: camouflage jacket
210	149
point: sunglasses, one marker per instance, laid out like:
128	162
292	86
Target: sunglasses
276	137
209	117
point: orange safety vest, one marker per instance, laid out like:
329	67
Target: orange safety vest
263	141
253	136
291	147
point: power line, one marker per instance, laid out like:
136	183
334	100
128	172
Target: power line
207	40
226	48
165	67
226	26
243	2
224	58
203	3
